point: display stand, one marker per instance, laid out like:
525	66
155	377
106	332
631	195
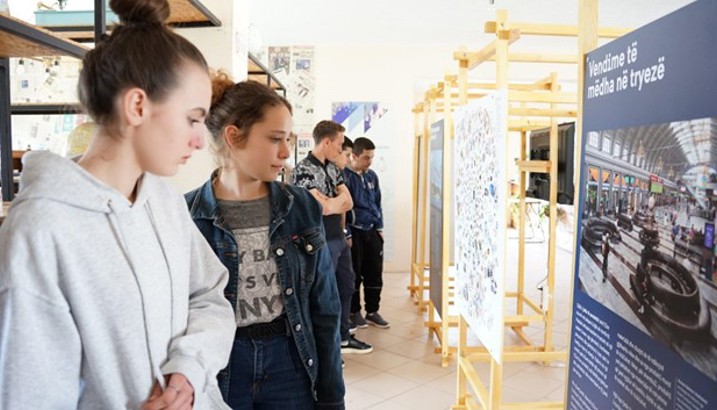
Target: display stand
425	113
443	99
489	396
542	91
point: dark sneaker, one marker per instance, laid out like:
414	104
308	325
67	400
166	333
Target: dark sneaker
343	365
376	320
352	328
358	321
355	346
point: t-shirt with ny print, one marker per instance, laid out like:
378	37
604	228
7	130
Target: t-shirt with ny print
258	288
325	177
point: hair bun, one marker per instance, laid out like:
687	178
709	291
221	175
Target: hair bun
221	82
141	11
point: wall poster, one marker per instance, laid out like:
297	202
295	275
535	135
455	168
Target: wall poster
373	120
644	329
479	176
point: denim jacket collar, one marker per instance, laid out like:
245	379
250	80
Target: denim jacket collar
205	205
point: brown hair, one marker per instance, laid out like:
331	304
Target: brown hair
363	144
141	52
327	129
240	104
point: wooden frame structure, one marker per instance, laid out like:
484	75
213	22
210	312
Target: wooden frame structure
489	396
444	98
417	284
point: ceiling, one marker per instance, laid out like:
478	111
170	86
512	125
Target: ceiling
419	23
427	22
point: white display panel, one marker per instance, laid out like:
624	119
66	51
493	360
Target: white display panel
480	215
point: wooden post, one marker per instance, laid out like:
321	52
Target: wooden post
421	266
587	41
501	57
447	221
416	208
463	82
462	344
521	227
552	244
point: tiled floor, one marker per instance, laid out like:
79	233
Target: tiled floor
404	372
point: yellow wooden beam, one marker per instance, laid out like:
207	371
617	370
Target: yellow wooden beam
542	112
532	304
524	96
559	98
473	59
534	166
557	30
514	86
527	125
528	356
521	334
540	58
521	319
474	381
548	80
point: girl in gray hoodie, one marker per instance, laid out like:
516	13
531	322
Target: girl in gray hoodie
110	298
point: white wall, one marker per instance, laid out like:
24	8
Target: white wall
225	48
387	74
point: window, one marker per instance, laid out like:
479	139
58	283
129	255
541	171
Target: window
606	144
616	150
594	139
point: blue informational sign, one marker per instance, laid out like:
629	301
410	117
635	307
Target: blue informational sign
436	201
644	329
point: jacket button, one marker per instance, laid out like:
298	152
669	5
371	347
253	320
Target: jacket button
309	248
289	291
310	362
298	328
279	252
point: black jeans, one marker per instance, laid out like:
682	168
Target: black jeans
367	254
345	279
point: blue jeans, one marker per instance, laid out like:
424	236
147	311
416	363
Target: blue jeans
267	374
345	279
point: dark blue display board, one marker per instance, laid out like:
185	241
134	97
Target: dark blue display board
644	330
436	200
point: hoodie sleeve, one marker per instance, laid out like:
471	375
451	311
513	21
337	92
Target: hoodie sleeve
205	347
34	316
378	204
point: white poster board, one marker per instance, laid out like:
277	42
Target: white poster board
480	215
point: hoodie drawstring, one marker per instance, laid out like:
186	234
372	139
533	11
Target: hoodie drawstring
153	222
119	235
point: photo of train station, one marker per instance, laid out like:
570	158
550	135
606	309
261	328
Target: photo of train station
648	232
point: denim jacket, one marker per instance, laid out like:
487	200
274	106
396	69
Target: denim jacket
311	300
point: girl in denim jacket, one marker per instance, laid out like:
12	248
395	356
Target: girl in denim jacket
286	352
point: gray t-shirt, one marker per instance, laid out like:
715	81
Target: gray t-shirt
258	288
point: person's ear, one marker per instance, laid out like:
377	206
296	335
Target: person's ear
134	106
231	136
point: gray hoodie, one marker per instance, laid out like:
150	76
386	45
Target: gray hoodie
100	297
